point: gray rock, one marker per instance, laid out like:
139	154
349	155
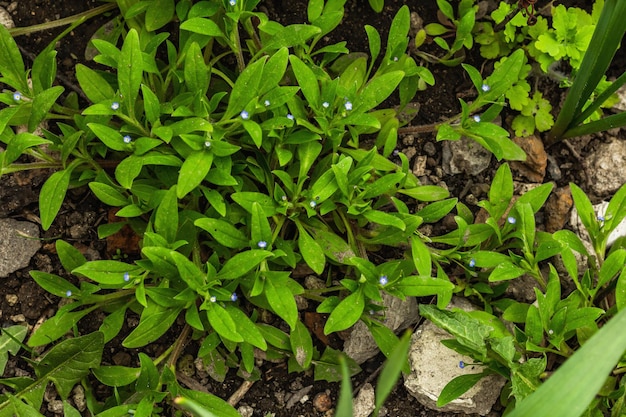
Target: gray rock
365	402
5	19
464	156
433	365
19	241
399	314
605	167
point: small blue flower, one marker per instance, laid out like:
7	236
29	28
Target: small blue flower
244	115
511	220
232	2
17	96
395	59
262	244
212	299
476	118
396	152
284	198
325	105
600	218
68	293
126	277
127	139
267	103
383	280
233	297
313	204
461	364
290	116
472	263
207	144
348	105
550	332
485	88
115	105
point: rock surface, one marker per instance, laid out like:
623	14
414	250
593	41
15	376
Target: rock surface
365	402
399	315
19	241
433	365
464	156
605	168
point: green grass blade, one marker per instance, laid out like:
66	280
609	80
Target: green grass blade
571	389
344	404
606	123
602	97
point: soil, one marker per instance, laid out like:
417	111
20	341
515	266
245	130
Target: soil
82	212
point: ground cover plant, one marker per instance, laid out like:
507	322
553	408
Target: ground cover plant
239	149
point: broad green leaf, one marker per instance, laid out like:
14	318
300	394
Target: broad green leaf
246	328
166	215
328	368
113	323
398	31
616	210
274	71
42	103
151	105
11	63
308	153
116	376
436	211
245	89
376	91
11	344
69	361
130	70
426	192
211	403
310	250
159	14
95	87
127	170
202	26
110	137
333	246
222	322
501	191
56	326
20	143
52	195
383	218
14	407
281	300
70	257
108	194
301	344
292	35
306	80
347	313
421	256
584	374
246	199
612	266
260	229
196	72
242	263
536	197
585	209
223	232
422	286
154	322
457	387
193	171
107	272
506	271
54	284
189	272
373	39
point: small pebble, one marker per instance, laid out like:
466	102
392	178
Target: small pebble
322	402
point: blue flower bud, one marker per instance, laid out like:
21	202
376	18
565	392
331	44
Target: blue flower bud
127	139
68	293
476	118
115	105
232	2
383	280
312	203
207	144
266	103
600	218
244	115
17	96
485	88
126	277
262	244
325	105
233	297
472	263
290	116
461	364
511	220
348	105
213	299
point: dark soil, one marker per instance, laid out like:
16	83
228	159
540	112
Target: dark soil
82	213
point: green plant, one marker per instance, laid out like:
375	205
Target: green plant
231	177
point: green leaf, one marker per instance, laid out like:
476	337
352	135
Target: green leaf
223	232
108	194
193	171
457	387
69	361
222	322
70	257
154	322
211	403
426	192
54	284
310	250
246	328
260	229
346	313
281	300
391	370
130	70
242	263
56	326
159	14
344	403
585	209
116	376
398	32
245	89
422	286
376	91
301	344
110	137
189	272
506	271
42	103
107	272
11	63
166	215
10	341
52	195
306	80
95	87
436	211
584	374
202	26
196	72
421	256
373	39
20	143
151	104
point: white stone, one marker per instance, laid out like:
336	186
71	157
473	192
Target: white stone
464	156
365	401
433	365
19	241
5	19
599	210
398	315
605	167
